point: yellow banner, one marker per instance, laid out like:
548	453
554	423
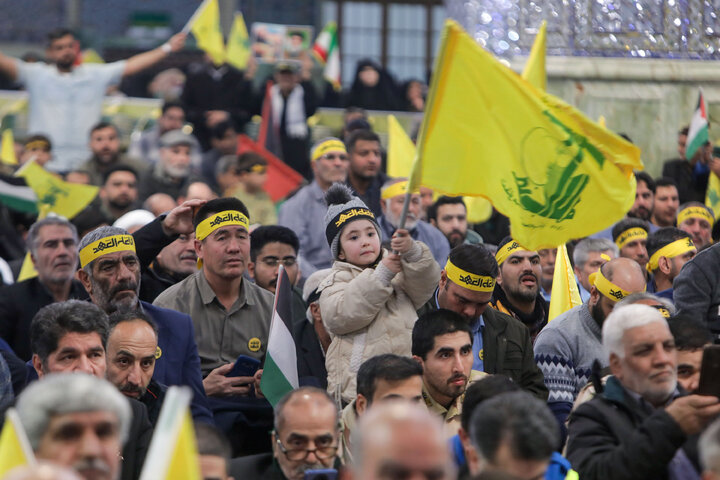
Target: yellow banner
565	294
207	32
238	44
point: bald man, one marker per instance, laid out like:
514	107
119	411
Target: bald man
401	440
567	347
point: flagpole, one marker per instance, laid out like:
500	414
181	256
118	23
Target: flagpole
188	25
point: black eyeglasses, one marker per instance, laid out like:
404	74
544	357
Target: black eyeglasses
322	452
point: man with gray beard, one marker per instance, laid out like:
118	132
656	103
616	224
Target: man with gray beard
172	172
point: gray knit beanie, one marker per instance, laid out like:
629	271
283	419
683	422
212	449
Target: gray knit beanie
343	208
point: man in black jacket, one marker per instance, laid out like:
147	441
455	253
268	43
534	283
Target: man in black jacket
501	344
642	425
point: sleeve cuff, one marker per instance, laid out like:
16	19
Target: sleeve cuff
414	254
384	274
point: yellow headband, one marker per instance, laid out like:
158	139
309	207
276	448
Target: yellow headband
399	188
506	250
116	243
694	212
460	277
607	288
671	250
630	235
332	145
38	144
222	219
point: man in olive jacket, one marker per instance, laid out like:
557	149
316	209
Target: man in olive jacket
501	344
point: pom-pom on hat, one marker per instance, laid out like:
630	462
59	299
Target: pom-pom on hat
343	208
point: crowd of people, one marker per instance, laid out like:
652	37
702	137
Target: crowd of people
423	343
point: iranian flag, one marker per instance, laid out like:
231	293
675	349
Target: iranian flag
280	374
698	131
326	50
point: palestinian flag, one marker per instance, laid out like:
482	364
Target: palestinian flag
18	197
327	51
280	374
698	131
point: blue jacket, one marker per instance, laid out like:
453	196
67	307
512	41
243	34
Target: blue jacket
179	363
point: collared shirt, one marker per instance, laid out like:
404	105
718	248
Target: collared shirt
450	416
304	214
221	335
477	326
66	105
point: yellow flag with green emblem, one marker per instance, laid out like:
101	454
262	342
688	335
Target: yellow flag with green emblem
238	44
712	197
534	71
206	30
487	132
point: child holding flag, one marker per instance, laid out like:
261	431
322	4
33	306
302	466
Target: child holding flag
368	301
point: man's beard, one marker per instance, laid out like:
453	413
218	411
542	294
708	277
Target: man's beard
597	314
177	172
120	205
106	301
642	213
131	388
410	221
456	237
523	293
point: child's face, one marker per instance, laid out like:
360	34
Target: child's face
359	243
254	181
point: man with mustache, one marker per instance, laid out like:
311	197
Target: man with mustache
697	220
442	343
104	143
392	197
172	265
517	292
172	173
641	425
449	215
119	193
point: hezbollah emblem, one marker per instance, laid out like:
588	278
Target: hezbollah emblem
254	344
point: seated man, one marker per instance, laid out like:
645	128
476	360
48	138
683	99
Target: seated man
78	421
669	250
640	426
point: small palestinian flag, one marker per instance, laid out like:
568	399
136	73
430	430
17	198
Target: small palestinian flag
698	131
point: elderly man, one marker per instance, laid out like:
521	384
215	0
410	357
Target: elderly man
78	421
641	425
174	263
567	347
398	440
147	145
392	198
588	256
669	250
305	210
306	437
172	173
52	243
501	343
697	220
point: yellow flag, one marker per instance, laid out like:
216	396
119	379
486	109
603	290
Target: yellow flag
534	71
206	29
15	448
90	55
565	294
401	150
712	197
7	149
487	132
55	195
601	121
27	271
184	462
238	44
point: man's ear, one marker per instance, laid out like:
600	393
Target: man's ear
361	404
37	365
594	296
664	265
251	269
615	365
84	278
433	222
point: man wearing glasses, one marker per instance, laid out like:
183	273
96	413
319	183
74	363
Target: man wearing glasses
305	438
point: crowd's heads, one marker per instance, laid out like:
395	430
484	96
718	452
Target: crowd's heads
666	203
159	203
388	377
214	451
589	255
38	147
78	421
223	137
449	215
196	191
365	155
392	200
697	220
306	432
630	236
467	281
119	189
669	249
691	336
172	116
642	351
329	161
179	257
52	243
110	269
104	143
514	433
175	148
69	336
614	281
398	440
132	348
520	271
644	193
350	228
252	171
270	246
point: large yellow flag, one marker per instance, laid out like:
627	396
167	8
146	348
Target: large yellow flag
565	294
15	448
238	44
401	150
207	32
487	132
534	71
7	149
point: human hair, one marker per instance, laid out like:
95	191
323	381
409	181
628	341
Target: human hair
627	223
519	419
102	126
643	176
54	321
218	205
219	130
265	234
665	182
663	237
248	160
279	419
225	163
587	245
34	231
684	130
118	317
433	324
120	168
476	259
310	293
172	104
63	393
697	204
58	33
637	297
709	448
443	200
388	367
482	390
94	236
357	135
212	441
623	318
689	333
